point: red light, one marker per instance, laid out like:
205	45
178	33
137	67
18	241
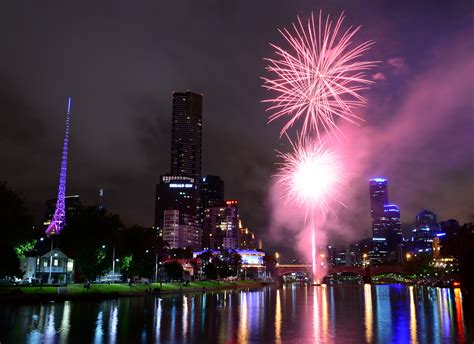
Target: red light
456	284
231	202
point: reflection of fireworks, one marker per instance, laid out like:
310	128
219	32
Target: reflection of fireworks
309	174
319	78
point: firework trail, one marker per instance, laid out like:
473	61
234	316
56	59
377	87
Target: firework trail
309	175
319	78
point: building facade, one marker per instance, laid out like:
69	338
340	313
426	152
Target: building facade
176	212
221	227
378	188
425	231
186	135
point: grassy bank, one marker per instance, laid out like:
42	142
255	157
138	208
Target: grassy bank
77	291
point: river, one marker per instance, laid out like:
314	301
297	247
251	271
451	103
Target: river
289	314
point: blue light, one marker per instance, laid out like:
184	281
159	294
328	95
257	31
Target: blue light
440	234
378	180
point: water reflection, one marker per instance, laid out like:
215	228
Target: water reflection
291	314
413	329
459	314
368	316
243	327
278	317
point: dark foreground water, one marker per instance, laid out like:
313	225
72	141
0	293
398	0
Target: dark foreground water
290	314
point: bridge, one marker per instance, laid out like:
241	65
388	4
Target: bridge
283	269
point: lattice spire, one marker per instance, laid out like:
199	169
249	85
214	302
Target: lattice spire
59	219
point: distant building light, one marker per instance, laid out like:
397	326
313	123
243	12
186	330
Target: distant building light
378	180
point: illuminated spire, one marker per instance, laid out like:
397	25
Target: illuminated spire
59	218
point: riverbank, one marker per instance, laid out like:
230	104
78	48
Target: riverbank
18	294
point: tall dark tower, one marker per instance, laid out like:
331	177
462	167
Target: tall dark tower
211	192
378	196
186	135
378	188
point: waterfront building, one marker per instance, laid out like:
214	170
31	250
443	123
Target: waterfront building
53	266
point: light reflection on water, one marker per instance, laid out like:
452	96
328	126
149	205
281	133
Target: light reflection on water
290	314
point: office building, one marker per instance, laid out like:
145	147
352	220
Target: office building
176	212
378	188
426	229
247	239
221	226
186	135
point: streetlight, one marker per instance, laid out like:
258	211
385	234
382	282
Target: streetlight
408	256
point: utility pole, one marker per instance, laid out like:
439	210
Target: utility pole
50	261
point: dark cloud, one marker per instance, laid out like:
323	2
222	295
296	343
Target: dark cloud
120	61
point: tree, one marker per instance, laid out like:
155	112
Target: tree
269	261
174	270
210	270
88	238
227	263
142	244
16	227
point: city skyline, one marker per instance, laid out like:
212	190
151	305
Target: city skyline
127	157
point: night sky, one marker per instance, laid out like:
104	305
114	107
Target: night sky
120	61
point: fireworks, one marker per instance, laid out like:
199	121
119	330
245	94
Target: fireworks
319	78
309	174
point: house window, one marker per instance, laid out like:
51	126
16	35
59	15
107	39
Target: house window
56	262
45	263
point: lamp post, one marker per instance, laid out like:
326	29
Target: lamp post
113	265
50	262
156	266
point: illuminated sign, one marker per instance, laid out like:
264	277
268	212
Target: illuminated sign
180	185
231	202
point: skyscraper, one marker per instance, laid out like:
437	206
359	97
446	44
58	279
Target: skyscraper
186	135
393	226
221	226
176	212
211	191
426	229
378	196
177	216
378	200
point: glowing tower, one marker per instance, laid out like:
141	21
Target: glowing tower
59	217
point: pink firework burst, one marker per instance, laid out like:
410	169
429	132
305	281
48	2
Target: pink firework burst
319	78
310	174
